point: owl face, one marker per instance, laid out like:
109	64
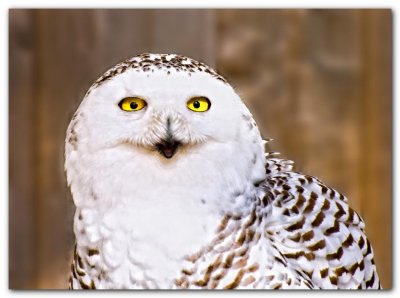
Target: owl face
163	118
162	112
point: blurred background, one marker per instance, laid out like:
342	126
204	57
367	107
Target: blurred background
317	81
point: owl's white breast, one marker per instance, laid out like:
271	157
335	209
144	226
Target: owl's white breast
145	213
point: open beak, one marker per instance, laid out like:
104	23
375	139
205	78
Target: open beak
168	148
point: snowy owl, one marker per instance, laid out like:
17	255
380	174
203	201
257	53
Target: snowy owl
173	190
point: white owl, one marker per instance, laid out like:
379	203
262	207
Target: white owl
173	189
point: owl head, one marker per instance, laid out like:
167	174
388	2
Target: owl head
163	108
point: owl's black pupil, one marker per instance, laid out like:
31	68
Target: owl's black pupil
196	104
133	105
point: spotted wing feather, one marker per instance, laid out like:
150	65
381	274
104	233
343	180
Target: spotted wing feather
316	232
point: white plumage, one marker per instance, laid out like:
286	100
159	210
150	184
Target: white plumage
170	197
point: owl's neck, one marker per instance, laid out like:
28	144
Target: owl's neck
142	209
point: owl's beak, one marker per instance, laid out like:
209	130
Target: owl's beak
168	147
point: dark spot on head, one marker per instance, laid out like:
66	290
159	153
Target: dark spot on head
254	159
93	195
236	193
73	137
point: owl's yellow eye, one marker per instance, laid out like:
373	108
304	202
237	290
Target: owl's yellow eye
199	104
132	104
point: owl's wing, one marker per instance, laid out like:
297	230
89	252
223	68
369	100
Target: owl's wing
315	232
79	279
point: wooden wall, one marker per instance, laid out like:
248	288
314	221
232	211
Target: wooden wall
317	81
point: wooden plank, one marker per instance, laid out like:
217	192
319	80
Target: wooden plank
376	171
133	35
21	150
66	52
189	32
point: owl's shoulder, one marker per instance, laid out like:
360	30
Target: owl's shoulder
315	231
